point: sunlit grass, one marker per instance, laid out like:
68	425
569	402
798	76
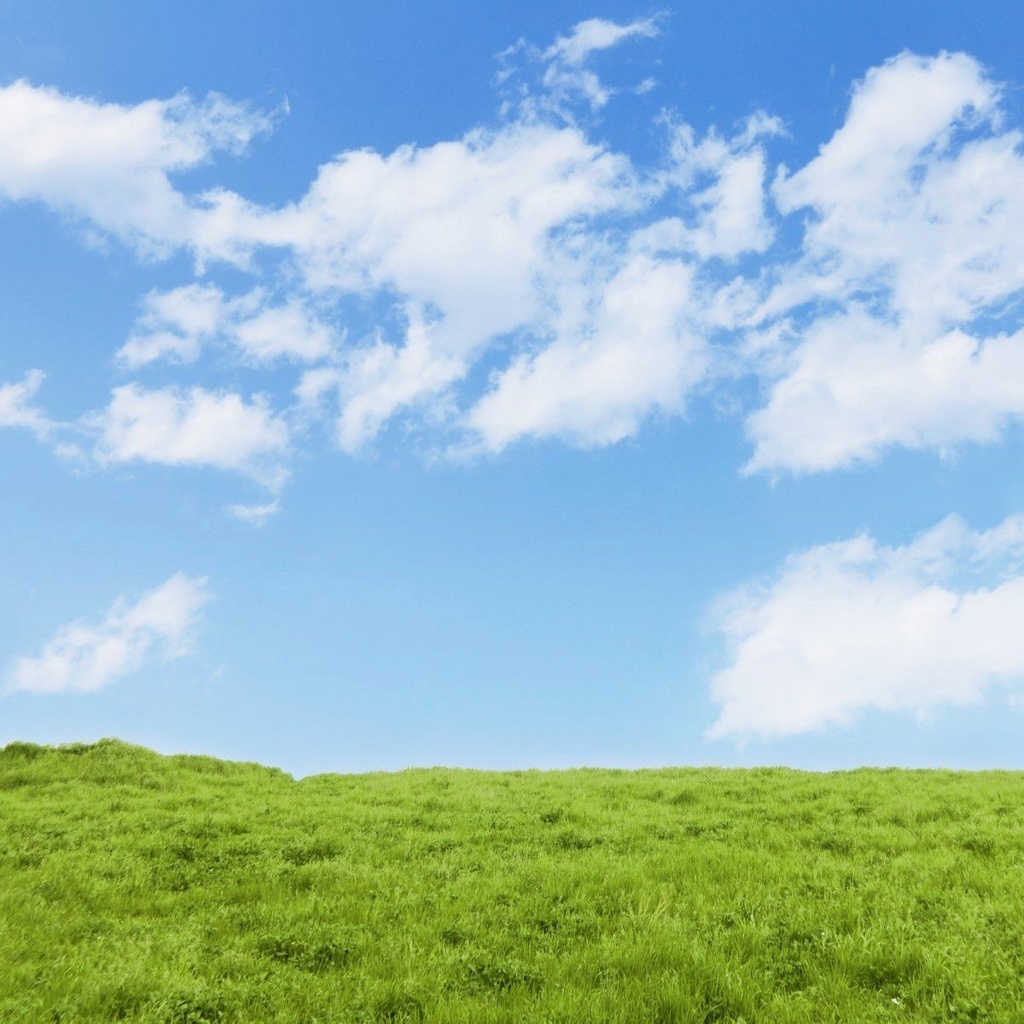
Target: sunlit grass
187	890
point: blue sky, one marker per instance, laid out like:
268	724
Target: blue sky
559	384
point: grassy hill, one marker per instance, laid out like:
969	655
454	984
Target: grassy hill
186	890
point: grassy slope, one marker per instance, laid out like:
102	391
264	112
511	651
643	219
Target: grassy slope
183	889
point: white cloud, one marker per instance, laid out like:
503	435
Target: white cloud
721	184
255	515
289	331
460	226
197	427
111	163
857	385
917	197
597	381
382	378
851	627
505	239
912	257
595	34
17	408
513	238
462	237
396	277
509	240
376	380
84	657
176	325
566	73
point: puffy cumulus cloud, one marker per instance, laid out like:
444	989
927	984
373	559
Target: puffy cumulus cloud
84	657
464	236
882	328
176	325
720	184
110	163
463	227
17	408
523	239
192	428
629	327
905	201
637	351
857	385
169	427
874	292
288	331
530	238
853	626
910	272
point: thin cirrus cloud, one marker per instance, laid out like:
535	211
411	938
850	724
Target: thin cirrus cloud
84	657
853	626
599	292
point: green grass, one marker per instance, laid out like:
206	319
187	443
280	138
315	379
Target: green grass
186	890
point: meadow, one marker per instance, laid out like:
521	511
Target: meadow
187	890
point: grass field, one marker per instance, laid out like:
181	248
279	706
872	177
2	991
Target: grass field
186	890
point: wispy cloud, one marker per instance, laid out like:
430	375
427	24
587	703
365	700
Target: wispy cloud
255	515
853	626
85	657
566	74
17	406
